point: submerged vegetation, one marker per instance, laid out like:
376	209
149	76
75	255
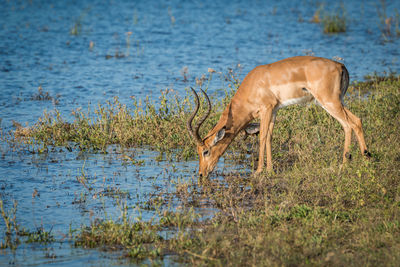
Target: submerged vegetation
312	210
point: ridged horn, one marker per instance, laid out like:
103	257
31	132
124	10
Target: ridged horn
195	133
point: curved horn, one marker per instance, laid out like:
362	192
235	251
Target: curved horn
197	127
195	134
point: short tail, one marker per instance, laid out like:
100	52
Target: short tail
344	83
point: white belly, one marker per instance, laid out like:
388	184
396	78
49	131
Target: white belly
300	100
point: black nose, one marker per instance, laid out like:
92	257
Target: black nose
201	175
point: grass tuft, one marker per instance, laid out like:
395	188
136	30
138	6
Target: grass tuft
331	21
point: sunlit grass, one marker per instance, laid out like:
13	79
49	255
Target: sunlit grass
161	126
311	211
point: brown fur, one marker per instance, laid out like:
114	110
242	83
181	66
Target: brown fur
267	88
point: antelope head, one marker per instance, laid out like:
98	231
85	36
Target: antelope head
208	149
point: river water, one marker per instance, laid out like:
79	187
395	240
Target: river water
87	52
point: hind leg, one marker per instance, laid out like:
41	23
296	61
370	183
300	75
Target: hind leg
356	125
347	141
349	122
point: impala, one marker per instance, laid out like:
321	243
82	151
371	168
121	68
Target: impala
265	90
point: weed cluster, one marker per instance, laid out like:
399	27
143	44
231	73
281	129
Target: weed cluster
12	228
139	239
14	233
332	22
389	25
45	96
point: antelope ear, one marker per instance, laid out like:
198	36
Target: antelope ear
219	136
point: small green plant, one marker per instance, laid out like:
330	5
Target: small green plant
114	235
40	235
12	228
331	21
77	27
334	22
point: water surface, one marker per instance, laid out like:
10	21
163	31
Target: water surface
87	52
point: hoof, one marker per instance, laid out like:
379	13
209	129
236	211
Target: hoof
348	156
367	154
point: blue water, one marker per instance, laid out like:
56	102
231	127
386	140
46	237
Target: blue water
87	52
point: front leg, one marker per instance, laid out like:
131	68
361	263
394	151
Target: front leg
268	145
265	119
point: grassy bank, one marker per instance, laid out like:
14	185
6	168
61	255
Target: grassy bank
162	125
310	211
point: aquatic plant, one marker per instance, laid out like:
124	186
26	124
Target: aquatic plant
335	22
15	234
39	235
389	25
331	21
42	95
11	239
76	29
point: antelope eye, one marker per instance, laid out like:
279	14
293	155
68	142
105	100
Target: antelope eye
206	153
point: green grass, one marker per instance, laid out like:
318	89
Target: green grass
311	211
14	234
162	127
334	23
331	21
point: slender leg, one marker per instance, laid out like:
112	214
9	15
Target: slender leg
349	122
265	117
347	141
269	137
356	125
